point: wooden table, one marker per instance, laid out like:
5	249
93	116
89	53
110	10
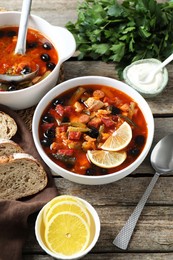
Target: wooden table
153	236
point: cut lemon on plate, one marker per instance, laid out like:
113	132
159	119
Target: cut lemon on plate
67	233
106	159
61	198
71	206
119	139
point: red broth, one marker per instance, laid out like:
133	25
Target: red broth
66	144
39	50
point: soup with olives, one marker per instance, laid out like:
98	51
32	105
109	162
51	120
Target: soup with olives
81	120
39	51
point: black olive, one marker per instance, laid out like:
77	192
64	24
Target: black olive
47	46
103	171
90	171
50	133
46	142
45	57
11	87
58	101
65	119
115	110
1	34
139	139
50	65
26	70
11	33
31	45
134	151
47	118
94	133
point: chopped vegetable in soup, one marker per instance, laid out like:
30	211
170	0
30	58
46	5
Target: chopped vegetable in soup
39	51
84	126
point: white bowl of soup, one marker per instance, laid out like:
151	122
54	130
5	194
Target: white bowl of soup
47	46
93	130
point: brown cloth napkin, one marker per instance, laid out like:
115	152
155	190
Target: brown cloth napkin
14	214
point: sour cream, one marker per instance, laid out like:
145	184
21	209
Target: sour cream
135	75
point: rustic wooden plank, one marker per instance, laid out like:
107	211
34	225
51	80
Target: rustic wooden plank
110	256
125	192
61	11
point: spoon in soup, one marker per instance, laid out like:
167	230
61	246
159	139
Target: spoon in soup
162	162
21	46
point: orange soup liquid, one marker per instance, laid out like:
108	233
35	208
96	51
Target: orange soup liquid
39	50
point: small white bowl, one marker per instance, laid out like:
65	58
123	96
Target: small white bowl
144	89
59	89
63	42
95	226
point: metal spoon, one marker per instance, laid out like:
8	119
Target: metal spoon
145	79
162	162
21	42
21	45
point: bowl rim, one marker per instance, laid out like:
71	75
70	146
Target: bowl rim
97	225
75	82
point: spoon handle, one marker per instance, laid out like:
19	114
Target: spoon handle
123	238
21	42
163	64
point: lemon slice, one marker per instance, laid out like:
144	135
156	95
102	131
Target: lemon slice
106	159
119	139
67	233
58	199
71	206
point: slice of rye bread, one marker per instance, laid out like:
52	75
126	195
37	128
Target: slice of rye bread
8	126
8	147
21	175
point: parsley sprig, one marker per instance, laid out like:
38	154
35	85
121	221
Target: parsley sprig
123	32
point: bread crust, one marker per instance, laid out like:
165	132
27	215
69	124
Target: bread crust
21	175
8	147
8	126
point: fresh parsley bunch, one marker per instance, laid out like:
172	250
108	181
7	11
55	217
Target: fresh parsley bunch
123	32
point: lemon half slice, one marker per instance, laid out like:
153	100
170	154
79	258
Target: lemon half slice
119	139
71	206
61	198
106	159
67	233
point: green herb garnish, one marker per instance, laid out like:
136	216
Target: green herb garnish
123	32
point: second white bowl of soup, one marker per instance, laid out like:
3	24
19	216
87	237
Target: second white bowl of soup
58	38
93	130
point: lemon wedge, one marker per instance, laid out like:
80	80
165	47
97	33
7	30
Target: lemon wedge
67	234
106	159
119	139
